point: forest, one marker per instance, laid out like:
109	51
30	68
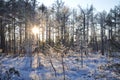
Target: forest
58	43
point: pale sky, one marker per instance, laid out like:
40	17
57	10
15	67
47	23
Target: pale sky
100	5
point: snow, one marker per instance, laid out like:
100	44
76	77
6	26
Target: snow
41	68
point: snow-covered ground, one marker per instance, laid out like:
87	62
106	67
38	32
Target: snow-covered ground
94	67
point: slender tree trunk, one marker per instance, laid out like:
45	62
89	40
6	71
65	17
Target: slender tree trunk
102	39
2	37
62	34
96	43
26	20
111	32
14	36
20	35
62	56
26	30
73	35
49	35
9	37
53	66
84	27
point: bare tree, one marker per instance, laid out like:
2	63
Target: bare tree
102	18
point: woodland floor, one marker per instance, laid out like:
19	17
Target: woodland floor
95	67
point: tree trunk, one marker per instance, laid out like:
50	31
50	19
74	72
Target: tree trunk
2	37
14	43
102	40
9	36
20	35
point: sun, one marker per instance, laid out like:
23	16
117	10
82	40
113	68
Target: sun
35	30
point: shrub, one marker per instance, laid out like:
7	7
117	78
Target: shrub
10	74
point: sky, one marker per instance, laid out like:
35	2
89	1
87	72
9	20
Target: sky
100	5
